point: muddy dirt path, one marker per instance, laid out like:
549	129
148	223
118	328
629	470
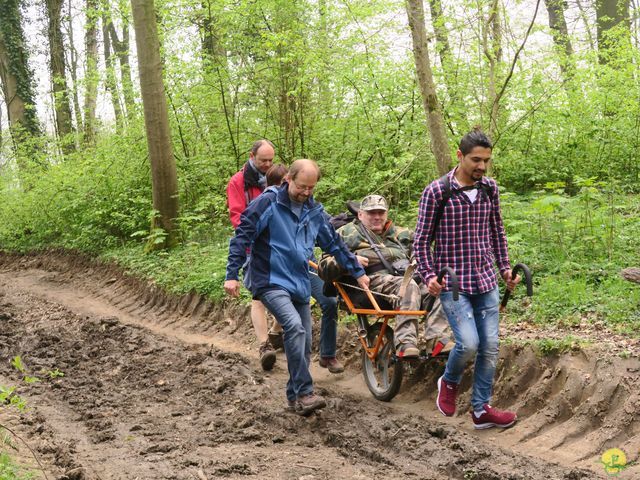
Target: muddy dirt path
163	388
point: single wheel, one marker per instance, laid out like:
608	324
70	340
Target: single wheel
384	375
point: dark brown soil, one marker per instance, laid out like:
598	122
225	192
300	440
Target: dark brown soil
170	388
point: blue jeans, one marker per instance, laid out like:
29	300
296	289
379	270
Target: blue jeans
328	323
295	318
474	322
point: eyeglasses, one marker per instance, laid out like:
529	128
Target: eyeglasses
303	188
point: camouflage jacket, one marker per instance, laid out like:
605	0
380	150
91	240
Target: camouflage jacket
395	243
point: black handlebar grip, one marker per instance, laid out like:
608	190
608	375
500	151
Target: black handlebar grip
527	280
453	279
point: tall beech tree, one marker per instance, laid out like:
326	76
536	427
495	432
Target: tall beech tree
612	27
109	60
121	49
164	177
458	123
560	34
91	71
57	64
17	87
432	107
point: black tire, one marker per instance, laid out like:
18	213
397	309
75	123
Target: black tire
384	375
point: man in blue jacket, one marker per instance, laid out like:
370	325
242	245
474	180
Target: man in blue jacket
281	227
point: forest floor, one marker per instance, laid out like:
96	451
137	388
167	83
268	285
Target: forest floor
170	388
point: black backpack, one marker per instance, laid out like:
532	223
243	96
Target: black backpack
342	219
448	192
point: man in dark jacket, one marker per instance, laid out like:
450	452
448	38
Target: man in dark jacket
282	227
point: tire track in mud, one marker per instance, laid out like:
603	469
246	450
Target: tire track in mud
146	395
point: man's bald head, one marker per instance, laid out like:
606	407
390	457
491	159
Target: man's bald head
303	177
301	165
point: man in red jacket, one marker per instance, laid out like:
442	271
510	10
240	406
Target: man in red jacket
249	182
243	187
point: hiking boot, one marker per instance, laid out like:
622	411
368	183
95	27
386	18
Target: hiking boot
446	401
407	350
332	364
267	356
290	407
492	417
276	339
307	404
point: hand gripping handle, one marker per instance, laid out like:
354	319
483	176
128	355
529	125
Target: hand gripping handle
453	280
527	280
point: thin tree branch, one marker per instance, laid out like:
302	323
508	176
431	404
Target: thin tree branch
28	446
515	58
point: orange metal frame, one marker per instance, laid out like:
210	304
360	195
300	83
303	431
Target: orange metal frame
386	315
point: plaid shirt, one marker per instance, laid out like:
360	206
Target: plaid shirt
469	239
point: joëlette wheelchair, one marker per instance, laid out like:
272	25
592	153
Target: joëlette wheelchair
382	369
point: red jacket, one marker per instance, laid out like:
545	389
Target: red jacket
240	192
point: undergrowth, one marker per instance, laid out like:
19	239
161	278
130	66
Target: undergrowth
575	238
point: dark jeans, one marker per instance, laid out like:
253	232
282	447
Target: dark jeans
328	323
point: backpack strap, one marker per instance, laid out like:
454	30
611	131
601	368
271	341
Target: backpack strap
448	192
375	248
446	195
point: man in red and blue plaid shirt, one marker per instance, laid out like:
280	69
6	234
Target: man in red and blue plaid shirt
469	238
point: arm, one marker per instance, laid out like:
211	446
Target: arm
330	242
252	223
498	235
236	200
424	232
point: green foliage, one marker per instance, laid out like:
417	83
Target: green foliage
576	247
8	396
52	374
17	363
331	81
189	268
551	346
9	470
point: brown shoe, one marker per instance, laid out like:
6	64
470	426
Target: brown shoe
332	364
307	404
407	350
276	339
290	407
267	356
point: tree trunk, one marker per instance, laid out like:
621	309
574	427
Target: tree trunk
435	119
121	47
112	85
17	81
156	119
613	28
443	48
560	33
62	106
215	66
73	63
493	52
91	75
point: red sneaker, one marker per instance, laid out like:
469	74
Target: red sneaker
446	400
492	417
